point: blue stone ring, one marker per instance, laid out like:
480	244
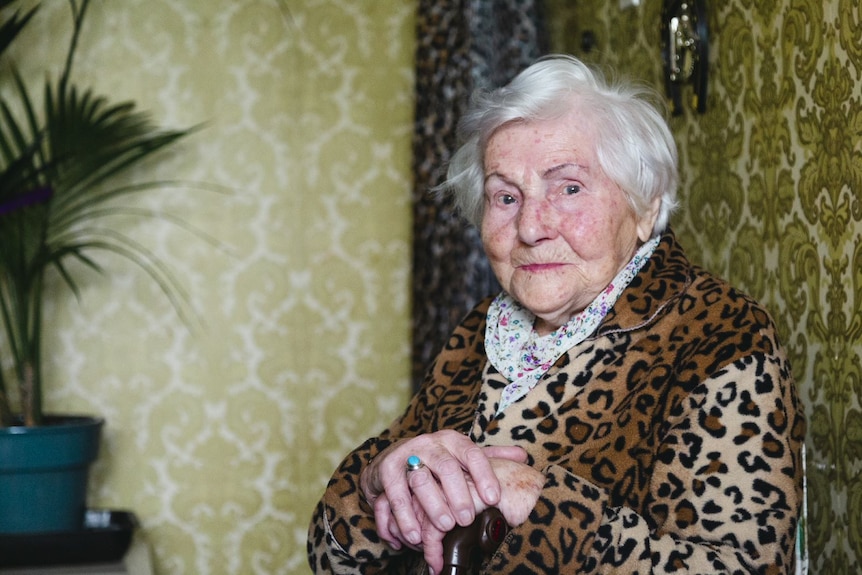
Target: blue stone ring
414	463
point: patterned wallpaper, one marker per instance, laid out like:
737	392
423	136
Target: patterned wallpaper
772	200
222	437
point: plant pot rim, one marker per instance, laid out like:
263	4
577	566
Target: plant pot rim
55	423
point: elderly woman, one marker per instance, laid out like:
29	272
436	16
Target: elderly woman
625	410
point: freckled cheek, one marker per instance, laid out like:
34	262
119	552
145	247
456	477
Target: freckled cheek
498	253
582	225
586	233
498	239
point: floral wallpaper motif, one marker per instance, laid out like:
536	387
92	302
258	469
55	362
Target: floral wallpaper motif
772	196
221	437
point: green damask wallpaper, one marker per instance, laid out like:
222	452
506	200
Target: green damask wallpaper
221	438
772	200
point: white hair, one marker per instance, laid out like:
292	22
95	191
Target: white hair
635	148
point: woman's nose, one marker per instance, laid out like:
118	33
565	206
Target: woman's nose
536	221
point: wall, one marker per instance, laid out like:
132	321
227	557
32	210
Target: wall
772	200
221	437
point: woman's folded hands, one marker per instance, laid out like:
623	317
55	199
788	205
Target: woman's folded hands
455	479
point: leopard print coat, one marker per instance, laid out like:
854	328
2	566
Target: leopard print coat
670	441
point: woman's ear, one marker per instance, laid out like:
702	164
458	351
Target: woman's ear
647	221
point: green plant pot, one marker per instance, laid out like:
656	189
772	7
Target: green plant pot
44	472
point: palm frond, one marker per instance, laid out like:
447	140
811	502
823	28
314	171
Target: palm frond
10	29
95	141
108	240
95	213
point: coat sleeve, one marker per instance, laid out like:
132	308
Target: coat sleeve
342	536
724	495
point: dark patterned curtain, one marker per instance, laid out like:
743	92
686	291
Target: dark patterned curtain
462	45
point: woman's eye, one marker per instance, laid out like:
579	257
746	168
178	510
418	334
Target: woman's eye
502	199
571	189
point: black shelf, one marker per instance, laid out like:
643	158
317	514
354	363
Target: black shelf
104	537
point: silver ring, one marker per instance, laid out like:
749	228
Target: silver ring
414	463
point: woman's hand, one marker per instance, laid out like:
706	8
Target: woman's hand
520	486
438	491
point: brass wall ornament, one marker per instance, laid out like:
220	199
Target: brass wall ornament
685	51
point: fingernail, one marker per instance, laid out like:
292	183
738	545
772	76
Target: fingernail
491	495
465	517
446	522
413	537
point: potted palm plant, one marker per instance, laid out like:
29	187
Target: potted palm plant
60	164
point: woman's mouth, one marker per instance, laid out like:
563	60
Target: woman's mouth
537	268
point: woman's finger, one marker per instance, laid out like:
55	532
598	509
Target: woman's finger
455	455
432	546
510	452
481	473
430	497
386	526
401	506
388	476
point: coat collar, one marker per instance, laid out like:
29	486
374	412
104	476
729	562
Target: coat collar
664	277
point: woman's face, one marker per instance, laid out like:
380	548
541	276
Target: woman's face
555	228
